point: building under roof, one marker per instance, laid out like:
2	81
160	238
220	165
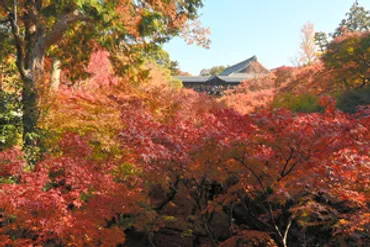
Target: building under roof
230	77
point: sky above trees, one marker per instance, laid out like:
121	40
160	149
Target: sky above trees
269	29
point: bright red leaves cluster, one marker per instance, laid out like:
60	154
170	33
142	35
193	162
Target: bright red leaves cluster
66	200
297	159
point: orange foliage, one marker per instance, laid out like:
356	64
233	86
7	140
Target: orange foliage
260	92
113	140
249	239
131	137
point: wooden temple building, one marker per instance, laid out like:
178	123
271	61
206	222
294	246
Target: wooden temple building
229	78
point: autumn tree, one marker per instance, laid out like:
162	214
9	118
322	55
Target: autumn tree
271	171
307	48
348	57
52	203
345	56
70	30
281	175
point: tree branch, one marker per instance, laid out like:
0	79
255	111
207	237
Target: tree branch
285	239
258	179
170	195
290	169
61	26
256	217
18	41
283	174
184	196
242	161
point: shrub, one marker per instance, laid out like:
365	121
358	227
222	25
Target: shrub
352	99
307	102
10	120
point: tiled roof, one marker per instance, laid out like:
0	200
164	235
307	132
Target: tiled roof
246	75
209	80
235	79
238	67
232	75
192	78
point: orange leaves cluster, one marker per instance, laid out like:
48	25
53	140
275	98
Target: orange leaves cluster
162	18
252	94
267	90
194	33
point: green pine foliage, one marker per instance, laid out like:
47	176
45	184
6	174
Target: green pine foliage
358	20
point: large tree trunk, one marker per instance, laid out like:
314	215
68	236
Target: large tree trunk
31	43
30	112
30	95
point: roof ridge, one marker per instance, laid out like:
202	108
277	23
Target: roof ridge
233	68
253	58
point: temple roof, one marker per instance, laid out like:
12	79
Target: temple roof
239	67
212	79
191	79
233	75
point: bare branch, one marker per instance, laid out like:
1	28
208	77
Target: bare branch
291	169
285	239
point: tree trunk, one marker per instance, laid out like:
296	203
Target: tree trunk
30	111
31	43
30	96
1	77
55	74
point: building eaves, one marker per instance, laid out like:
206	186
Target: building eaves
192	79
232	79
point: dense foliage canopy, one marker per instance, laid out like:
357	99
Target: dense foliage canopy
133	159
